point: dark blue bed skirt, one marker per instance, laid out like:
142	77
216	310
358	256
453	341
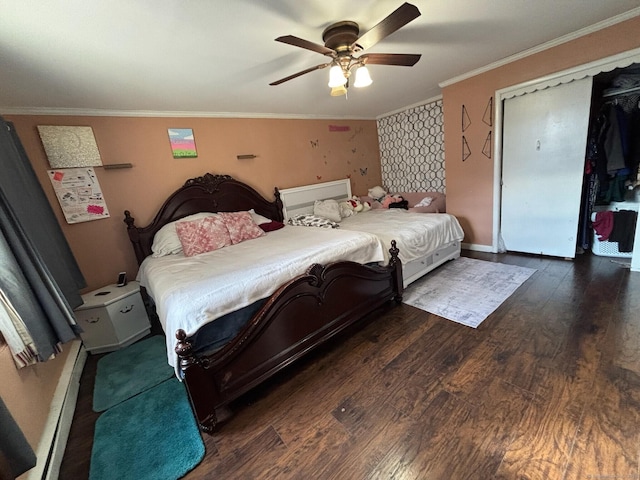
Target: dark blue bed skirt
214	335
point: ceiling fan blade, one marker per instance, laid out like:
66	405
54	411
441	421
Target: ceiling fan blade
302	43
401	59
303	72
399	18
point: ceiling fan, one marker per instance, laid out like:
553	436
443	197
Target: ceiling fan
342	42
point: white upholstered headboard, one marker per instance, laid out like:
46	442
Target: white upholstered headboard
299	200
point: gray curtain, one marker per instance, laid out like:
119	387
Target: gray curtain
40	276
16	455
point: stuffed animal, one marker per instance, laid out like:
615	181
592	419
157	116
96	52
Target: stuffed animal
359	205
389	199
377	193
351	206
356	203
346	209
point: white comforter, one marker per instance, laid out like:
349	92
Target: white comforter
416	234
192	291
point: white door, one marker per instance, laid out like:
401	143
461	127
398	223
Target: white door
544	142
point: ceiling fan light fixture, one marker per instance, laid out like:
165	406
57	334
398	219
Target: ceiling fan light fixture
336	76
363	79
339	91
343	39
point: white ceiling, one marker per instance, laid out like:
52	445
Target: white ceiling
217	57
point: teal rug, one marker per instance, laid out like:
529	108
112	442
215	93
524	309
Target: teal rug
152	436
124	373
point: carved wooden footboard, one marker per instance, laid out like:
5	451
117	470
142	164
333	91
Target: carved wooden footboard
300	316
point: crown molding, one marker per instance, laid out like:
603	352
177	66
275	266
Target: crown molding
83	112
545	46
409	107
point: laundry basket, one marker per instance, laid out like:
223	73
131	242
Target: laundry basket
605	248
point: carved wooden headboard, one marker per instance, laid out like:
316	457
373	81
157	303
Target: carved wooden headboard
208	193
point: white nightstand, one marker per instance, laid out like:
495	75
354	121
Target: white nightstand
112	317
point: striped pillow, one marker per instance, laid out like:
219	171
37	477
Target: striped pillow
306	220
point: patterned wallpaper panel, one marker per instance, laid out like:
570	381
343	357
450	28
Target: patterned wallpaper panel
412	149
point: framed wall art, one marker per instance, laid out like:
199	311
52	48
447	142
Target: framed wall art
183	143
69	147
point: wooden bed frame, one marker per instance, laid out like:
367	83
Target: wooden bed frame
301	315
299	200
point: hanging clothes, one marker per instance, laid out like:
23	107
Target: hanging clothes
588	200
613	142
612	154
615	135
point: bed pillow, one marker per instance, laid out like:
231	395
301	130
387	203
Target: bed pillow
166	241
202	235
306	220
329	209
271	226
436	205
241	226
257	218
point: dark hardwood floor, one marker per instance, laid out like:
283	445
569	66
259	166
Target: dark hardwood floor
548	387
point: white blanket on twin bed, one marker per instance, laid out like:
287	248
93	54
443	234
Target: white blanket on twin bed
416	234
192	291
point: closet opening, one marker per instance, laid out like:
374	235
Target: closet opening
611	188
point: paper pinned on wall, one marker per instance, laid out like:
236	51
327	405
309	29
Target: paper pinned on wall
69	147
79	194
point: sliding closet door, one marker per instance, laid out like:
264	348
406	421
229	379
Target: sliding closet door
544	141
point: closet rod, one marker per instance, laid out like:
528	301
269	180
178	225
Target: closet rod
622	91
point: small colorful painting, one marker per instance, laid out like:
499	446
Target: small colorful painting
183	143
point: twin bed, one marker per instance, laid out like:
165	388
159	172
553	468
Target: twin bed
425	241
244	311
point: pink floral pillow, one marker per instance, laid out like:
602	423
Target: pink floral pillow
241	226
203	235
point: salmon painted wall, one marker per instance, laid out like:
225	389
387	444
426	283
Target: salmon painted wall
470	182
290	153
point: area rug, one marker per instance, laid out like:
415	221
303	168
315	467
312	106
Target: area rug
466	290
124	373
150	436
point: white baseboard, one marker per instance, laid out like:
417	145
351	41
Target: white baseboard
56	431
477	248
